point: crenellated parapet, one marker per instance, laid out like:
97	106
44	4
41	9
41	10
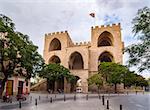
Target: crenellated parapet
82	44
56	33
106	26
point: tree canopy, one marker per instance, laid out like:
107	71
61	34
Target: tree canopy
95	79
18	55
139	81
113	73
139	53
55	71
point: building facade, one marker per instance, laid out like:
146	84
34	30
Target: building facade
17	85
83	58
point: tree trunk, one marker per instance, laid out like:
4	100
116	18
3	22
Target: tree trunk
98	89
124	86
1	91
115	88
2	88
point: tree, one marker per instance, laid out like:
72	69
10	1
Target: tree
148	80
18	55
96	79
139	53
113	72
54	72
128	79
140	81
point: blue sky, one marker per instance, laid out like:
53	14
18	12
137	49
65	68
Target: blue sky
37	17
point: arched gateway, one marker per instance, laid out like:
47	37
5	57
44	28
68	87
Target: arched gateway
55	45
55	86
83	58
54	59
105	39
76	61
105	57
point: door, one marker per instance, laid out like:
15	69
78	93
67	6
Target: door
9	88
20	87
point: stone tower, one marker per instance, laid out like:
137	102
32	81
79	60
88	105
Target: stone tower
83	58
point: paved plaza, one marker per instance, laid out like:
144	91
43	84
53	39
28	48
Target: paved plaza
81	102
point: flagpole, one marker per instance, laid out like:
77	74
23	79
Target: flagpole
94	18
95	21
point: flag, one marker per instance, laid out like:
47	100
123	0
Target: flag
92	15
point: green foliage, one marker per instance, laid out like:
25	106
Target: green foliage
139	53
112	72
55	72
96	79
18	55
128	79
117	74
140	81
148	80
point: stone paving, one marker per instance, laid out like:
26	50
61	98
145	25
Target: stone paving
82	102
92	102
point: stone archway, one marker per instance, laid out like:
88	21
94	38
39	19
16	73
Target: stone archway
105	57
53	85
54	59
76	61
105	39
55	45
74	84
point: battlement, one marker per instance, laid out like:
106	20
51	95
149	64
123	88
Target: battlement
82	44
106	26
56	33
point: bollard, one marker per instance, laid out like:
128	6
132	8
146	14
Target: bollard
143	92
87	97
64	98
47	96
99	96
107	104
31	98
75	97
103	100
136	92
39	97
19	104
127	93
51	100
55	95
120	107
36	102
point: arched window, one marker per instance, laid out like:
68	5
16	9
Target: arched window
105	57
76	61
55	45
54	59
105	39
